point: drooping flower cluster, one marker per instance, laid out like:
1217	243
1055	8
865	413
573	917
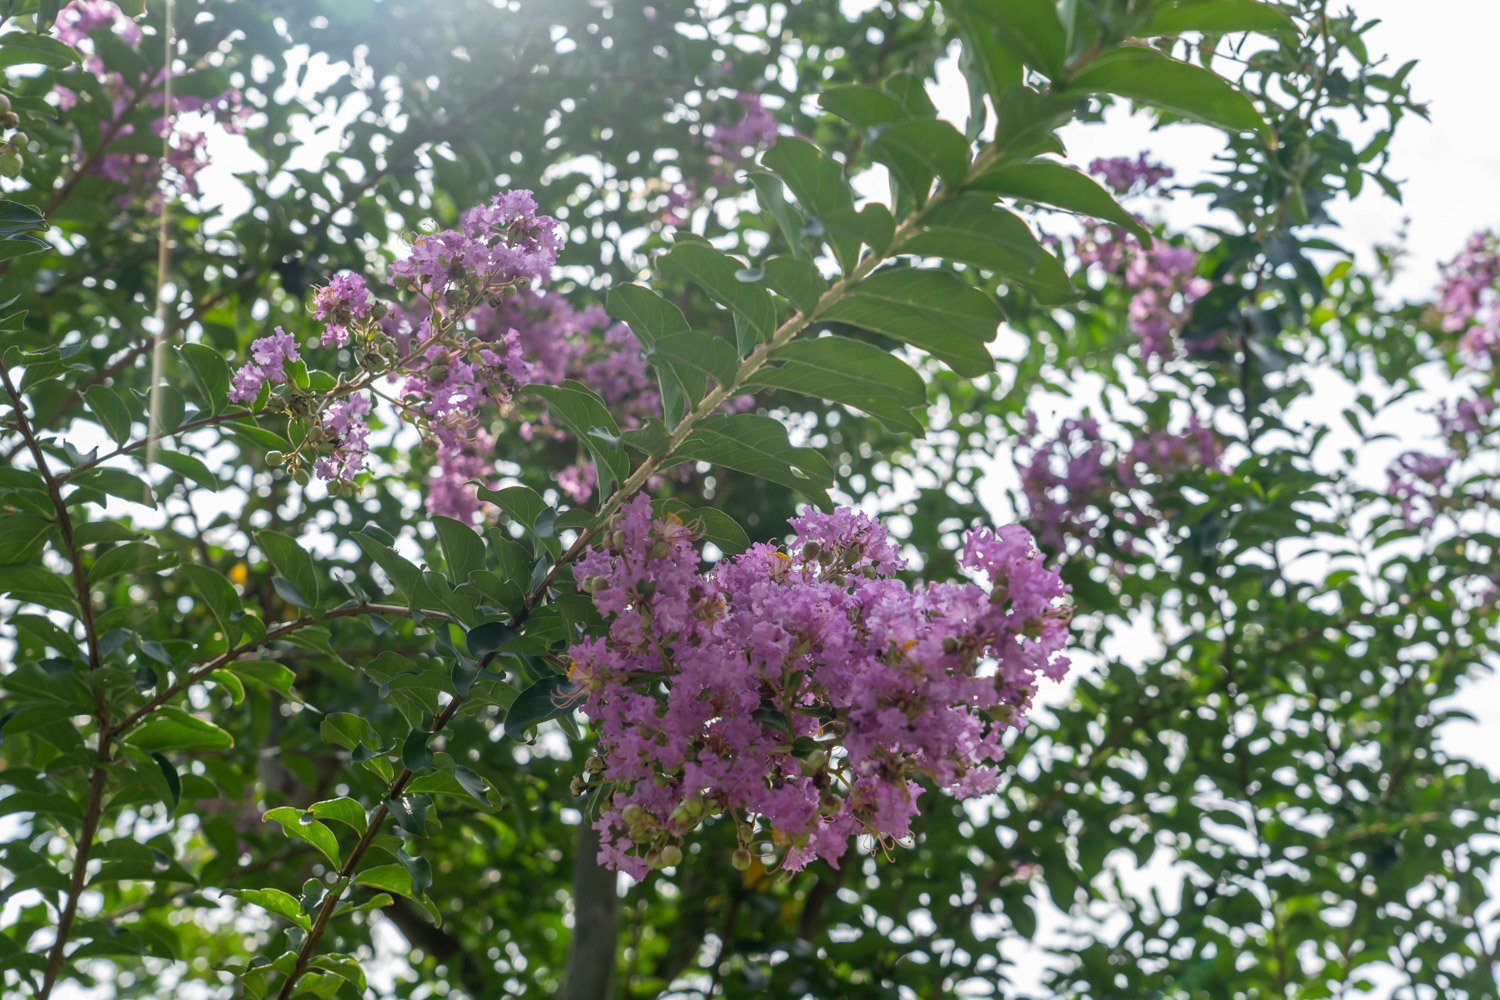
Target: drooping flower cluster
730	144
801	693
1125	175
1077	482
74	21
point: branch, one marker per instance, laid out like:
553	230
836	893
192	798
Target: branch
94	807
590	969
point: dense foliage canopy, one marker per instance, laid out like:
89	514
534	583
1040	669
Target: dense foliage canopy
500	500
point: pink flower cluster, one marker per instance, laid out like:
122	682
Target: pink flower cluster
1162	278
166	177
1124	174
497	248
344	300
1076	482
267	366
729	145
1469	297
801	693
1416	483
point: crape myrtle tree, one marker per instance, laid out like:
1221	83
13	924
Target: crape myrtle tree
546	526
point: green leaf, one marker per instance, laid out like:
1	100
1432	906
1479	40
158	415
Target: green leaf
797	280
132	557
403	576
299	826
389	878
586	415
759	446
410	812
818	184
277	676
22	536
713	525
551	696
969	230
1215	17
772	197
718	274
987	63
1029	28
348	731
478	788
341	810
916	151
853	373
698	353
528	510
189	467
932	310
220	596
289	592
274	900
39	586
462	548
170	776
94	484
1062	187
19	48
210	372
293	562
419	869
652	318
414	753
173	729
1148	77
866	107
110	410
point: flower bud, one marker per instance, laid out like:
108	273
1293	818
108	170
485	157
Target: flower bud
301	476
811	551
661	549
19	139
275	458
816	760
632	814
950	644
10	120
4	105
670	856
592	583
10	161
741	859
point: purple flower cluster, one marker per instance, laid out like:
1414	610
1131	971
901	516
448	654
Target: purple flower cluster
346	445
1416	482
74	21
1076	482
497	248
733	144
1162	277
166	176
801	693
344	300
267	366
1469	297
1124	174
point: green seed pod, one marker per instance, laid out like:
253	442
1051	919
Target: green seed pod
19	139
670	856
10	120
741	859
579	785
301	476
275	458
4	105
10	161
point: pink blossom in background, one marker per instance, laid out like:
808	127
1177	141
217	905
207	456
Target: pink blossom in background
1124	174
267	364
